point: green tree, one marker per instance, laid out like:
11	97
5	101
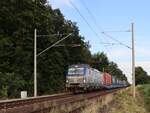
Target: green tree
10	85
114	70
141	76
18	20
100	61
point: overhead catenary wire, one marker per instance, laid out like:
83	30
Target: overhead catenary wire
119	31
92	15
94	20
74	6
52	35
96	23
54	44
116	40
97	35
110	44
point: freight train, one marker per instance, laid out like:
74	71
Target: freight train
82	77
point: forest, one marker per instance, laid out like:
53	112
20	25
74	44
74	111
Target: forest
18	20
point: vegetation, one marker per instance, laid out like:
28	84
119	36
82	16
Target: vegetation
124	102
101	62
145	93
18	20
141	76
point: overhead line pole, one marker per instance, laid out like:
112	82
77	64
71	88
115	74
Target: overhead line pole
36	55
133	55
35	63
133	61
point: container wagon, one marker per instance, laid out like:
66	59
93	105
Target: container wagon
107	80
114	82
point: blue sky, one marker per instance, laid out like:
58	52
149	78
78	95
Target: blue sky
113	15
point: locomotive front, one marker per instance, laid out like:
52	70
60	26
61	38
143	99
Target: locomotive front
75	79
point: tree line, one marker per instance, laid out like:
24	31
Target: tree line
141	76
18	20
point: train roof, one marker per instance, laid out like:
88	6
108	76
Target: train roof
79	65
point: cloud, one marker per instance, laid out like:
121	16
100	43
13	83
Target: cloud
142	51
120	53
127	68
145	65
126	53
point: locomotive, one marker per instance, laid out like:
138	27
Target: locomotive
82	77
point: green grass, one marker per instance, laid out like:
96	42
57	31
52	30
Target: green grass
145	93
122	102
127	104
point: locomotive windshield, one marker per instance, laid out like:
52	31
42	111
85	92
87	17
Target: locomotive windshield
76	71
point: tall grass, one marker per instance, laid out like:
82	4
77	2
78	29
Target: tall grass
145	93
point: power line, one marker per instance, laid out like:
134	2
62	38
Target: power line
74	6
52	35
96	23
110	43
94	19
54	44
116	40
97	35
119	31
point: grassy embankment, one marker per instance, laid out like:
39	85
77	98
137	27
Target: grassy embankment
125	103
145	92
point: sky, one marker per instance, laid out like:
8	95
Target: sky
110	16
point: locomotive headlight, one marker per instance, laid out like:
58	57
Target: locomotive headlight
84	81
67	81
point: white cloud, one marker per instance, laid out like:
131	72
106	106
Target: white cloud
127	67
119	53
142	51
122	53
145	65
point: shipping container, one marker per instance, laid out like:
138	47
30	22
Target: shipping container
114	80
107	79
94	76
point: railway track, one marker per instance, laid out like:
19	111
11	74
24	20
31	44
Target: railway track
45	104
7	105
